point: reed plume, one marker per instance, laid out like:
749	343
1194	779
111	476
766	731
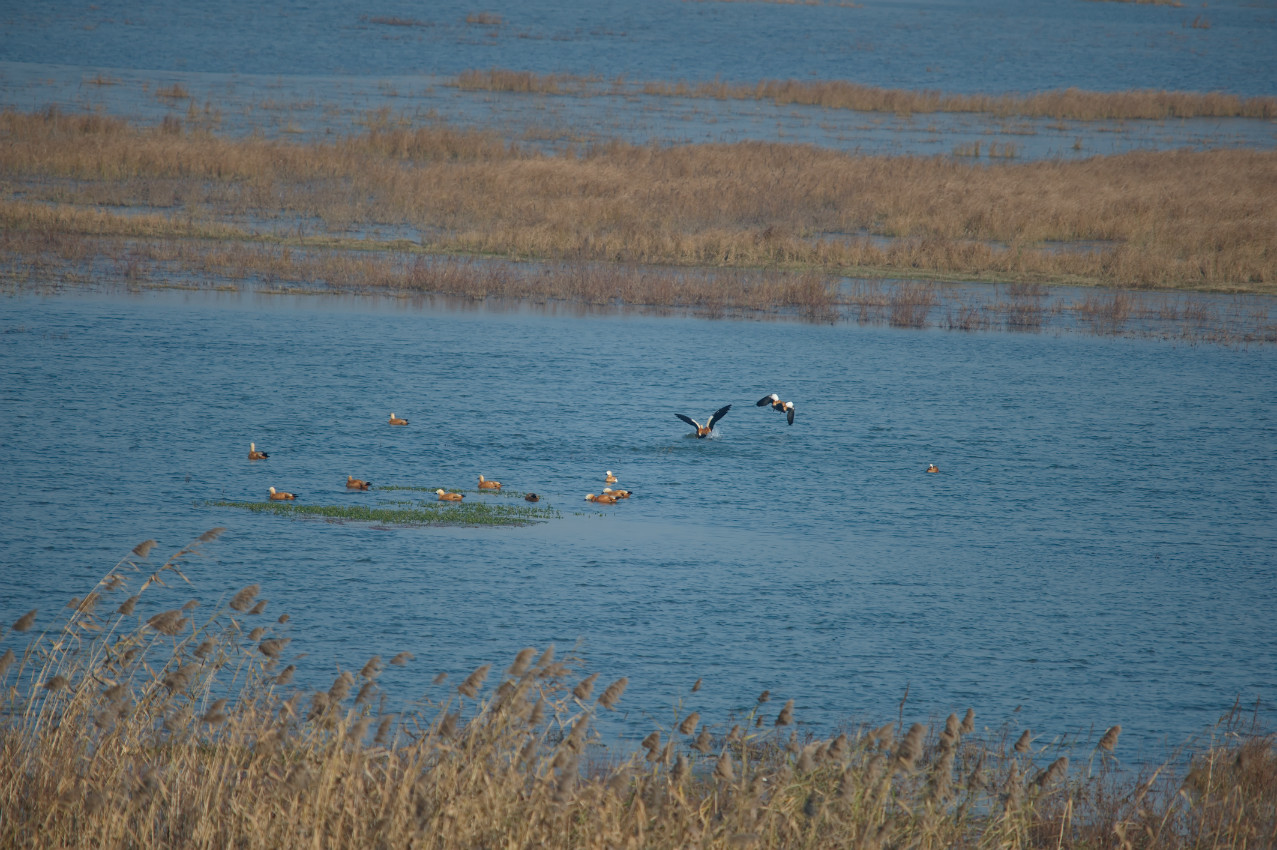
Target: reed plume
470	687
1109	741
168	623
585	687
612	693
522	661
243	600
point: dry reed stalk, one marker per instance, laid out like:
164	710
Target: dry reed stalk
105	754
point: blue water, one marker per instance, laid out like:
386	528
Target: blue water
307	70
952	45
1099	546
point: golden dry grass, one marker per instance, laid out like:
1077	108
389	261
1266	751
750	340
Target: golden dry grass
131	719
1171	220
1071	103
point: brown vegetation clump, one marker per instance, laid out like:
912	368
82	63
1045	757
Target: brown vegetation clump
1071	103
113	736
1074	104
720	229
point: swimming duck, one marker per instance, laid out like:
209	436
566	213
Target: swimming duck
707	429
353	483
254	454
531	497
610	479
445	496
616	494
395	420
484	484
933	468
602	498
281	496
785	407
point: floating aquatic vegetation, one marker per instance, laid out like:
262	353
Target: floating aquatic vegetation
418	513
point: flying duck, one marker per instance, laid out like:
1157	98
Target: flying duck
602	498
395	420
708	429
484	484
353	483
445	496
933	468
281	496
254	454
785	407
610	479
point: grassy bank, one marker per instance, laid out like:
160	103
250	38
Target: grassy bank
130	719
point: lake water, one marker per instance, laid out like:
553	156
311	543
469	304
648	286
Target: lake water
1099	546
311	69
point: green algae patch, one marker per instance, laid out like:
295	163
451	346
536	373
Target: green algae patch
399	513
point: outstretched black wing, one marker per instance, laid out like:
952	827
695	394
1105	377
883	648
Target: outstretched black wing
689	420
770	399
790	415
718	414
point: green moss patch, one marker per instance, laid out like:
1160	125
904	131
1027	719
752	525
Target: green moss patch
400	513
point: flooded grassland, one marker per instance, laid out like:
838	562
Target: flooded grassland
720	229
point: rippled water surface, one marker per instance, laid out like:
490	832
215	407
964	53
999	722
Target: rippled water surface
1098	547
308	70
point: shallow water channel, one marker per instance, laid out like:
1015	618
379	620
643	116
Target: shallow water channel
1098	546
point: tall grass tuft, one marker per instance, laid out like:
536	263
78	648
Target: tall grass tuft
113	733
